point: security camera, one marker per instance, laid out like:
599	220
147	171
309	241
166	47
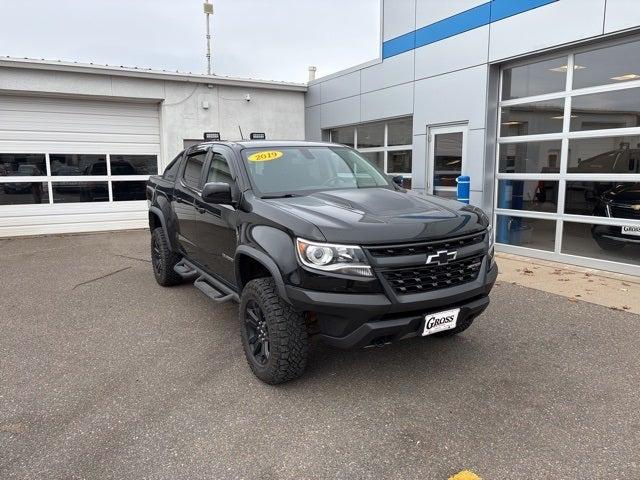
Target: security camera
247	97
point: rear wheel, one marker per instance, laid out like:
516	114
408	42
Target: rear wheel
163	259
274	336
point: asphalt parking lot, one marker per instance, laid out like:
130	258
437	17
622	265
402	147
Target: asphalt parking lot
104	374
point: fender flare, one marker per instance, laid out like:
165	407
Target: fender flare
163	223
267	262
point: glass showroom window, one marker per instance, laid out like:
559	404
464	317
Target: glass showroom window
386	144
59	178
568	159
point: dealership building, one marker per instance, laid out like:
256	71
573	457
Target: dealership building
538	101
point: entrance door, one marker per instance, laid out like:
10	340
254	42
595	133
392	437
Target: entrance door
447	155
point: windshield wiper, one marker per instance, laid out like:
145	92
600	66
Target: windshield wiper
284	195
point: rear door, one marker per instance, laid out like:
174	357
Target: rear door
187	189
217	223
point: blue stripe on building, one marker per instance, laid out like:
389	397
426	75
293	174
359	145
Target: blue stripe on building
471	19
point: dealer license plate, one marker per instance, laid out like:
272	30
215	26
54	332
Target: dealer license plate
635	231
438	322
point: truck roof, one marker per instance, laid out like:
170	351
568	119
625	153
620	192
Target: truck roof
269	143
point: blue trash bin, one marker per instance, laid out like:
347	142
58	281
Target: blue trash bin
464	188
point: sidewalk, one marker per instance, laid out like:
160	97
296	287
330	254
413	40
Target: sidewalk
616	291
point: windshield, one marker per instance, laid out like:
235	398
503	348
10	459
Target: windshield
297	170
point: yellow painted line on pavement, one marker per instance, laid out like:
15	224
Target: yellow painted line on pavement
465	475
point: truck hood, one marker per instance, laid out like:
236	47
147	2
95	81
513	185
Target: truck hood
369	216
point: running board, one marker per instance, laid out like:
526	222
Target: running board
185	270
211	287
212	292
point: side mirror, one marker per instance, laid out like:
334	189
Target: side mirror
398	180
217	192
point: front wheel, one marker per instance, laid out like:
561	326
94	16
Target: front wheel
274	336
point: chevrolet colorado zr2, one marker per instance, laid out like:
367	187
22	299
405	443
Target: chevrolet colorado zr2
313	240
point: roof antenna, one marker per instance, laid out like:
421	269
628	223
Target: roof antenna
208	11
241	136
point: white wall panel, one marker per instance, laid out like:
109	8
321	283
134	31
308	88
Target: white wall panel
465	50
456	97
312	123
399	18
419	163
393	71
341	87
54	82
474	163
389	102
428	11
340	112
136	88
621	14
477	198
545	27
312	96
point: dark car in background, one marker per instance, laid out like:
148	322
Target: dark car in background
622	201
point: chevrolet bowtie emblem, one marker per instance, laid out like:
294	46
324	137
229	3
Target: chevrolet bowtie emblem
441	258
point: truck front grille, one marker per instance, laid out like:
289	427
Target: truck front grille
426	279
426	247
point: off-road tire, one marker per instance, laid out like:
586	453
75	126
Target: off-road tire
163	260
287	333
460	327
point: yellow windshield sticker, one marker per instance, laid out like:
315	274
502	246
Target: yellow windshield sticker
265	156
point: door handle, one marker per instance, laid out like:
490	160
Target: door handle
201	210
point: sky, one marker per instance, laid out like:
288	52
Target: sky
265	39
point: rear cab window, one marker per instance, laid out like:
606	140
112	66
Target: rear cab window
192	175
171	172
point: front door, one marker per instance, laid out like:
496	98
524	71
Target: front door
447	155
217	223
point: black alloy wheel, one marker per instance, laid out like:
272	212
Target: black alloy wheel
257	332
163	260
156	256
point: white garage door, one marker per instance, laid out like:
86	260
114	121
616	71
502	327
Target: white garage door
72	165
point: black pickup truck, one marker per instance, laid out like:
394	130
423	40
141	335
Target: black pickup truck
313	240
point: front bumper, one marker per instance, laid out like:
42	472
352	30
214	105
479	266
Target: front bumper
358	320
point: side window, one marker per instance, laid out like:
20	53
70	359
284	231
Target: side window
219	170
193	169
171	172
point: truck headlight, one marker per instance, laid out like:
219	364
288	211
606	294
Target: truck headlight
345	259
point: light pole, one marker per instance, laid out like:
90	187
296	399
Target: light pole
208	11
